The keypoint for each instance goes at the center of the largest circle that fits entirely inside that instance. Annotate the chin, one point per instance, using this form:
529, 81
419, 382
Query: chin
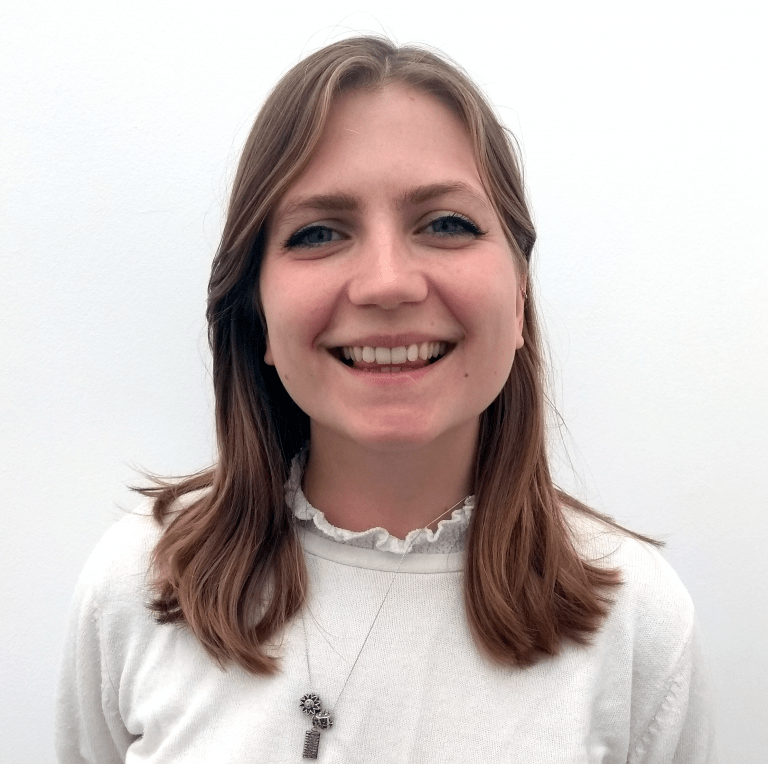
390, 437
393, 441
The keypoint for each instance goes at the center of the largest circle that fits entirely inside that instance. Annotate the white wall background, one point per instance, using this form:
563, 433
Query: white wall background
644, 130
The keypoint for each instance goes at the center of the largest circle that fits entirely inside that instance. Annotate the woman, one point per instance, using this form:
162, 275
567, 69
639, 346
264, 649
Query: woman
378, 567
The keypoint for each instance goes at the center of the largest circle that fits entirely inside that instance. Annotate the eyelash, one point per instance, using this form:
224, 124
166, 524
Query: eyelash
454, 217
296, 239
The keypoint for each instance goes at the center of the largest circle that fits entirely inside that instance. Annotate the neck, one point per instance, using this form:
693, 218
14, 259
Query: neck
398, 489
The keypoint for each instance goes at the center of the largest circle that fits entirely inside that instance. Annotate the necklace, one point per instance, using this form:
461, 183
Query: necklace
310, 703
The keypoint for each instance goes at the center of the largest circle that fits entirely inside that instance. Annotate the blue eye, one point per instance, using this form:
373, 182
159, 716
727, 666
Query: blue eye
453, 225
312, 236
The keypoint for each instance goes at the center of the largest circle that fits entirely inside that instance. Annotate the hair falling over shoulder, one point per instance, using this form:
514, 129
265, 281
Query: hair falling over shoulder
229, 565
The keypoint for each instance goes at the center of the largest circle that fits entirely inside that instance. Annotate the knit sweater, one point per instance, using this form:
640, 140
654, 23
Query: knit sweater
134, 691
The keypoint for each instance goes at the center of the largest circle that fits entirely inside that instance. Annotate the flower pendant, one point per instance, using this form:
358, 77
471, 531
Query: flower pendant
310, 704
321, 720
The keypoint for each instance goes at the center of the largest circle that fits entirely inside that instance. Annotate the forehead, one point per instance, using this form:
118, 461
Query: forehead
385, 142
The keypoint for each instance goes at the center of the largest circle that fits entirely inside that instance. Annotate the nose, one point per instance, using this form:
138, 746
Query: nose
387, 274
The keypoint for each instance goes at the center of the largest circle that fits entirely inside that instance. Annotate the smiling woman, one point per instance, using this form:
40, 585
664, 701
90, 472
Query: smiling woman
387, 243
382, 470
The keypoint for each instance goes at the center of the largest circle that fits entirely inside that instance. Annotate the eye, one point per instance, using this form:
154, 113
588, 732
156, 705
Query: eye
453, 225
312, 236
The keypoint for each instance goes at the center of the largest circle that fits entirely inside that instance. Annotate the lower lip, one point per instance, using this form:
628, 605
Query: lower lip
393, 378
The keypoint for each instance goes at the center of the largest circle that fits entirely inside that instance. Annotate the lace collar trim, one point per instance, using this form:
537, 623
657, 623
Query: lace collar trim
449, 536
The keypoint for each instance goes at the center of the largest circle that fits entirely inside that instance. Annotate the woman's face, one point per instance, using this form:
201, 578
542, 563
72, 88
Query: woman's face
386, 243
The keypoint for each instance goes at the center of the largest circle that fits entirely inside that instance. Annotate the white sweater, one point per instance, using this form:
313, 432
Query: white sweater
134, 691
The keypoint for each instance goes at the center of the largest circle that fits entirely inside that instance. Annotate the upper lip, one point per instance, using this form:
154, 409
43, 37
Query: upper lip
394, 340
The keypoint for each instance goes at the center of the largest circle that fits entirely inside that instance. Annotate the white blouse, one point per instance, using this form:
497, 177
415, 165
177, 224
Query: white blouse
449, 536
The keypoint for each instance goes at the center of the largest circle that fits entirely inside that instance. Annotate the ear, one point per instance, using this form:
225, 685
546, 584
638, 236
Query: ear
268, 358
522, 291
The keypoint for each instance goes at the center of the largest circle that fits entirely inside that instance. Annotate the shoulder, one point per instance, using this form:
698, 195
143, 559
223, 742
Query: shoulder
119, 565
652, 601
652, 634
108, 611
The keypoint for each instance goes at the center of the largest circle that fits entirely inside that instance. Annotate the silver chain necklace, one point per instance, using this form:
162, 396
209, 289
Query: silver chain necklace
310, 703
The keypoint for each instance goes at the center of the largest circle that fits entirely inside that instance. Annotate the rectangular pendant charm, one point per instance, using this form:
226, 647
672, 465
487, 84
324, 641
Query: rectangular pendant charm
311, 744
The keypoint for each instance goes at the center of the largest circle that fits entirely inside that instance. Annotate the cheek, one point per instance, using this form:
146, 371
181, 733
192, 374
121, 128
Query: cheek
296, 309
500, 336
273, 303
486, 302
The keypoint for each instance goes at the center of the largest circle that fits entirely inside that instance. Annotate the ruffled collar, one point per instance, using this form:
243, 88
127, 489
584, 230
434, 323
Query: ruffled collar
449, 536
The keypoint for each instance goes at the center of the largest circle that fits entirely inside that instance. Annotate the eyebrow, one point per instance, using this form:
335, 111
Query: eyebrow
341, 202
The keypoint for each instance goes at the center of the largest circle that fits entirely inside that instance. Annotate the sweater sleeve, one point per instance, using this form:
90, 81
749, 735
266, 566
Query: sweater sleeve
682, 729
89, 727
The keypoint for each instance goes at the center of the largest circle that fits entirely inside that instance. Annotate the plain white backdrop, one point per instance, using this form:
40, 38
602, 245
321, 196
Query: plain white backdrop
643, 131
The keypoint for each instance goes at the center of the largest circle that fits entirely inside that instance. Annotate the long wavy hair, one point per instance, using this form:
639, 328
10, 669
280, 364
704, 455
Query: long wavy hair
229, 564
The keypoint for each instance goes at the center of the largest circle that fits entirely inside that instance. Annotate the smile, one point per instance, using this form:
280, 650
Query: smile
392, 360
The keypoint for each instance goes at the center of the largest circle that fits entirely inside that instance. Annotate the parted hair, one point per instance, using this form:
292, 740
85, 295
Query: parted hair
229, 564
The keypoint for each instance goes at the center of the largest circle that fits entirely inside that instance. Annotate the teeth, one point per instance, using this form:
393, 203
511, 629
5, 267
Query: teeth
395, 356
399, 355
